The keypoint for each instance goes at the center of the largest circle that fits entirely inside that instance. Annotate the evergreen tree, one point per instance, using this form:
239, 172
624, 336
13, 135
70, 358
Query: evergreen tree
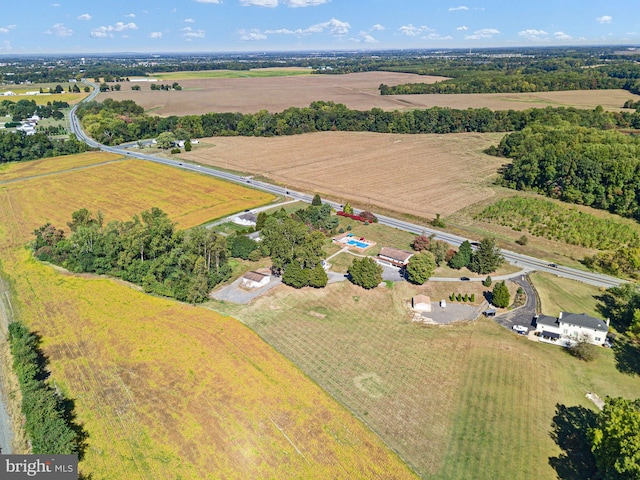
295, 276
486, 258
318, 277
500, 296
317, 201
462, 258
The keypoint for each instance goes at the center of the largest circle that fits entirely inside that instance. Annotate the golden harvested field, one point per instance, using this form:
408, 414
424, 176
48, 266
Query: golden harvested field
416, 174
163, 389
248, 95
121, 189
358, 91
22, 170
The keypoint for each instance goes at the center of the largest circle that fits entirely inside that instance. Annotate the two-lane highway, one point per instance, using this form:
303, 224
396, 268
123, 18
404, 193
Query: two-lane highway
522, 261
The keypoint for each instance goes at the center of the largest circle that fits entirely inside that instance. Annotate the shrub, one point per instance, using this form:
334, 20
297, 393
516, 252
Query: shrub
500, 295
459, 297
473, 298
438, 222
465, 297
584, 350
175, 150
341, 230
348, 228
421, 242
522, 240
487, 281
452, 296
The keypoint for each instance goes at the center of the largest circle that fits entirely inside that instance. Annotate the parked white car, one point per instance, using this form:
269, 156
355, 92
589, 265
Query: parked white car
522, 330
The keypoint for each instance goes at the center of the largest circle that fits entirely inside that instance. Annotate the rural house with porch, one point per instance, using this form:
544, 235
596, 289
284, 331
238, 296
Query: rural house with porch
393, 257
570, 328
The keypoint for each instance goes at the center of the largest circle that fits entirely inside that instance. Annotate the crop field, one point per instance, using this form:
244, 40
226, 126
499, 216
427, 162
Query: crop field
253, 73
273, 93
416, 174
358, 91
189, 199
464, 401
163, 389
46, 166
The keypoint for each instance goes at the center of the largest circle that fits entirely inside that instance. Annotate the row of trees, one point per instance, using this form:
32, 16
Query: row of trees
516, 82
589, 166
25, 108
18, 147
48, 417
485, 259
146, 250
107, 123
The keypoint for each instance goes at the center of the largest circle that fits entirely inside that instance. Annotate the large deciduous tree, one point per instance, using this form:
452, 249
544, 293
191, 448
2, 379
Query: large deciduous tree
615, 440
420, 267
365, 272
462, 257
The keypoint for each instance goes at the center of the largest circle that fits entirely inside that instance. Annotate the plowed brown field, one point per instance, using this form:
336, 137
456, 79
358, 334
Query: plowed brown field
417, 174
358, 91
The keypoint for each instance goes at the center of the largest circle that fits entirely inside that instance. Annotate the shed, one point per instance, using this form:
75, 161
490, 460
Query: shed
255, 279
421, 303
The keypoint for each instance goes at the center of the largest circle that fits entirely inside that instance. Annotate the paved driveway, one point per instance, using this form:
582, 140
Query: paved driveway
522, 315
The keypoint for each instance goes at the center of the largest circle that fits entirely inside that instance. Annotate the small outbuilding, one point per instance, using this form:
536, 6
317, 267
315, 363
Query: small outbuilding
421, 303
246, 219
255, 279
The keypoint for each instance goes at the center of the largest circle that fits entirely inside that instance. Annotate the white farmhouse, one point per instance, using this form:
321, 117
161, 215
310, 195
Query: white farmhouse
246, 219
569, 328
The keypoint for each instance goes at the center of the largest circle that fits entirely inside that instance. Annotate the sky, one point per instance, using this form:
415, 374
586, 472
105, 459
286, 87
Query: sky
156, 26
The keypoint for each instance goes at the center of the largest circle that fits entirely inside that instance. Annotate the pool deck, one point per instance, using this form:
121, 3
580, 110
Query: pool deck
343, 238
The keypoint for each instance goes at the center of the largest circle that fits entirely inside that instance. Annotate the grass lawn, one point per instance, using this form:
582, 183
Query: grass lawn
456, 402
563, 295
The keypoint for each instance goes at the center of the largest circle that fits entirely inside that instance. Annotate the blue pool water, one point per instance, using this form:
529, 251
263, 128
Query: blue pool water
356, 243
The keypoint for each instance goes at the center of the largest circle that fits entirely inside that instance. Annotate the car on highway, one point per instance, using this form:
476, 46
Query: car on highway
464, 279
552, 265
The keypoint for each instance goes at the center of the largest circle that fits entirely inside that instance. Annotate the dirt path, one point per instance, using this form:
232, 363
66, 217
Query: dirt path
6, 433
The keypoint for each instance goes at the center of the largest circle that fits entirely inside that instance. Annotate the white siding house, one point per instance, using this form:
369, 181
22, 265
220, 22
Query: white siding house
255, 279
569, 328
246, 219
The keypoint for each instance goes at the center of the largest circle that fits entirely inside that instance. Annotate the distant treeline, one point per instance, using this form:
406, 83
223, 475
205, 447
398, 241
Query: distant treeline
18, 147
23, 109
499, 82
113, 122
581, 165
146, 250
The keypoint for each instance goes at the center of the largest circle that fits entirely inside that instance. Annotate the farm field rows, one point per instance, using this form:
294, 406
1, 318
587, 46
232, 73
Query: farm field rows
163, 389
358, 91
417, 174
121, 190
253, 73
465, 401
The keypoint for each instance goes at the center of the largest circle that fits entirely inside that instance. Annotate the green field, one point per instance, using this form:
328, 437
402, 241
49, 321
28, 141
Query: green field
256, 73
563, 295
468, 401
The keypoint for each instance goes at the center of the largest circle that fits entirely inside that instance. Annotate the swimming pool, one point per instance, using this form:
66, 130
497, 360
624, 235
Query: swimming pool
356, 243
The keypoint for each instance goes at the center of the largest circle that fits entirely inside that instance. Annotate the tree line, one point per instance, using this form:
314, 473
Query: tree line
147, 250
113, 122
18, 147
589, 166
498, 82
26, 108
48, 415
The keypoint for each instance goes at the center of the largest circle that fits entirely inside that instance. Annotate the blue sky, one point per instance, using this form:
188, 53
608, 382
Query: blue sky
70, 26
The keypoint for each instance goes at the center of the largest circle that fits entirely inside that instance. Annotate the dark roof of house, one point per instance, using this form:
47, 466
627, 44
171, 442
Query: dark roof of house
550, 334
547, 320
249, 217
584, 320
396, 254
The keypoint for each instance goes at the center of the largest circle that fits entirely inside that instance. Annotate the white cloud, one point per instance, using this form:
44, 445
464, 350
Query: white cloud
303, 3
191, 33
106, 31
284, 31
364, 37
335, 26
413, 31
463, 28
55, 5
532, 34
155, 35
130, 15
84, 16
562, 36
483, 33
436, 36
456, 9
251, 35
7, 28
189, 20
604, 19
259, 3
209, 1
377, 28
59, 30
